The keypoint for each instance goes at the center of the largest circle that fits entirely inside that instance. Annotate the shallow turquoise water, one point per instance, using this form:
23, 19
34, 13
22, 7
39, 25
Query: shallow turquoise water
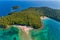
40, 34
9, 34
51, 31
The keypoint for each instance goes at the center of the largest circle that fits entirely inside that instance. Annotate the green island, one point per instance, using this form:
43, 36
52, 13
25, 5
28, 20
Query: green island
29, 17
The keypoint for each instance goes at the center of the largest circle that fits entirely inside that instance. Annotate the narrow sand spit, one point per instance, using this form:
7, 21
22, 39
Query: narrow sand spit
25, 29
25, 32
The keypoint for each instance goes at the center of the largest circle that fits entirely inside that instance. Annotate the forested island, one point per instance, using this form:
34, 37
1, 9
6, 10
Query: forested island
30, 16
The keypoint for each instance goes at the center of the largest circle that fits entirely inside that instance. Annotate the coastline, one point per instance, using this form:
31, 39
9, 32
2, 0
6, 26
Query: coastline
26, 29
42, 18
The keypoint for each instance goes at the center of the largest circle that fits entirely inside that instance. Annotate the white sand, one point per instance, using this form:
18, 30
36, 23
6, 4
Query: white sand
43, 17
25, 29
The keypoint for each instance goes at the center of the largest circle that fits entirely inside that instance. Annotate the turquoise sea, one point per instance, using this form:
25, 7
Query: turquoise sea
51, 31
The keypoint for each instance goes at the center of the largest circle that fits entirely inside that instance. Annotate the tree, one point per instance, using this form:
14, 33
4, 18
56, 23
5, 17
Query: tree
15, 7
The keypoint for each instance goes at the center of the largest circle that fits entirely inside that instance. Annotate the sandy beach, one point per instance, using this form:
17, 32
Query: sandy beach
26, 29
43, 17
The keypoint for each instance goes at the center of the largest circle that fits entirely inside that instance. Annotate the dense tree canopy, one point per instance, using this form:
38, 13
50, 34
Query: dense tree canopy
49, 12
30, 16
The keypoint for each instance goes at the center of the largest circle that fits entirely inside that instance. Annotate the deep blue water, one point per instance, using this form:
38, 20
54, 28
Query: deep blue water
53, 29
5, 6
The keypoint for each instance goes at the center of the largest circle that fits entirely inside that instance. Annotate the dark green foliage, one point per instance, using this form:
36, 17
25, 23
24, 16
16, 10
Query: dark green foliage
49, 12
30, 16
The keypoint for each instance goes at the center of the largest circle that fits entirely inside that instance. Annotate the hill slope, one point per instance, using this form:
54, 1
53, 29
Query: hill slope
46, 11
30, 16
